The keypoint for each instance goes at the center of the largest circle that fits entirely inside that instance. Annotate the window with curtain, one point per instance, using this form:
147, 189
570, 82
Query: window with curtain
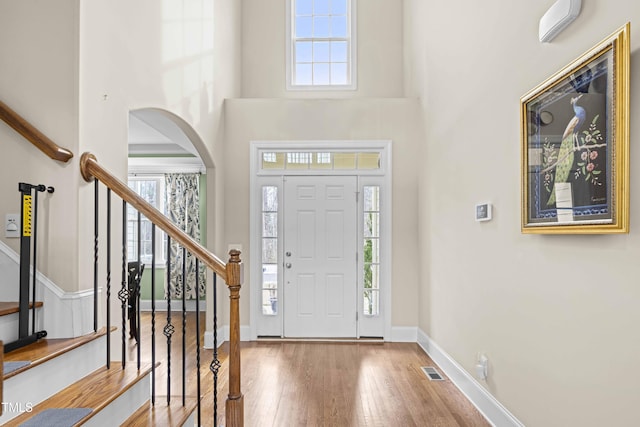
183, 209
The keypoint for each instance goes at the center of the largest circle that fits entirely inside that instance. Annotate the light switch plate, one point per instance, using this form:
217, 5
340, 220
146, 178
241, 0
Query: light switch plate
12, 226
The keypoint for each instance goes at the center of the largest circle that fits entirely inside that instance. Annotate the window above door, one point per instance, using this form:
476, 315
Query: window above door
321, 45
326, 158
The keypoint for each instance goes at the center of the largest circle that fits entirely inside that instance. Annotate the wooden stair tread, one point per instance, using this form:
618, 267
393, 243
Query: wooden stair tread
162, 414
94, 391
47, 349
10, 307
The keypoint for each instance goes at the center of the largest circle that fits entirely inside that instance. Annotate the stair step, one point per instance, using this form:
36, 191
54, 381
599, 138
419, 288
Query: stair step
10, 307
46, 349
47, 363
172, 415
10, 320
96, 391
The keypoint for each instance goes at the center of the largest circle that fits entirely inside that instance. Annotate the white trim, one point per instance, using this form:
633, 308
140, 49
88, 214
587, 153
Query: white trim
257, 176
487, 404
64, 314
162, 165
208, 338
223, 335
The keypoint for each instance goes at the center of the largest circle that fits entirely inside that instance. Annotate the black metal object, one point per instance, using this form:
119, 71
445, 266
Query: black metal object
123, 294
198, 337
153, 314
135, 270
184, 325
215, 363
96, 222
168, 329
108, 280
28, 229
127, 295
136, 296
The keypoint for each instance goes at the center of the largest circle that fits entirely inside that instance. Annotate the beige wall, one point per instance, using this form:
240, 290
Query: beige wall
38, 79
76, 70
374, 111
556, 315
305, 120
150, 54
379, 51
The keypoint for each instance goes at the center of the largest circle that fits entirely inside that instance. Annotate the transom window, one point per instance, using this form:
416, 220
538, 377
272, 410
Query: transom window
321, 48
337, 160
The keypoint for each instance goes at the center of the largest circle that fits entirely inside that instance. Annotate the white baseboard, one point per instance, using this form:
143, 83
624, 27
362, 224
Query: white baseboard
488, 405
64, 314
223, 335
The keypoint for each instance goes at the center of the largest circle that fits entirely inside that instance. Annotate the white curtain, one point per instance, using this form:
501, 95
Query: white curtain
183, 208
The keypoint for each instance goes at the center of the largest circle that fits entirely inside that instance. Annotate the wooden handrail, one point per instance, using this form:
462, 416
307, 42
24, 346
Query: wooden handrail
90, 169
230, 272
33, 135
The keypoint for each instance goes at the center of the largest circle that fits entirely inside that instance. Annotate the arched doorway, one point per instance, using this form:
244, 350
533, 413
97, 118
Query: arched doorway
163, 146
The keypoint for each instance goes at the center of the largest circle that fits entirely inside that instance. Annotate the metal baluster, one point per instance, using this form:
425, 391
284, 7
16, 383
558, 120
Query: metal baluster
95, 257
198, 337
136, 294
153, 314
108, 278
169, 329
184, 325
215, 363
123, 294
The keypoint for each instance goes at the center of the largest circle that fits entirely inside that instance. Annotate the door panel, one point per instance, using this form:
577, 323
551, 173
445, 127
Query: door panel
320, 275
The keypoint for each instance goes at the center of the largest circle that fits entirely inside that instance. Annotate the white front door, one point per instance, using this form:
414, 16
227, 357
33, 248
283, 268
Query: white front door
320, 265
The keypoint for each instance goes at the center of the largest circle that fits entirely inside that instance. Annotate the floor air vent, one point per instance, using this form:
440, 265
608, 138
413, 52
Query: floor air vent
432, 373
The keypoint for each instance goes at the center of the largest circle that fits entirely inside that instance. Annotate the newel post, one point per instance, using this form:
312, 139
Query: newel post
235, 400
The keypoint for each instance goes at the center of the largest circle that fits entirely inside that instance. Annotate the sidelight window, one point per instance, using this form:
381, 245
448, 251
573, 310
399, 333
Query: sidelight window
371, 250
270, 250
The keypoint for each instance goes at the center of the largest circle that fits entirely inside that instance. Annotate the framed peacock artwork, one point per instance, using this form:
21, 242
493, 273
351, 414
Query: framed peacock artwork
575, 145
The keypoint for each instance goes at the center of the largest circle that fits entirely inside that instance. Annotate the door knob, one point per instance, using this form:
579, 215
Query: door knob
288, 265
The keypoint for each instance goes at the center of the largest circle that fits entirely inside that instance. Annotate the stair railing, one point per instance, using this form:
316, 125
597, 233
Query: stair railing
230, 272
55, 152
33, 135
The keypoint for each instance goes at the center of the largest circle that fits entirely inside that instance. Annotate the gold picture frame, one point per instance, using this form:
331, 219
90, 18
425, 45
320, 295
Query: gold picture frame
575, 145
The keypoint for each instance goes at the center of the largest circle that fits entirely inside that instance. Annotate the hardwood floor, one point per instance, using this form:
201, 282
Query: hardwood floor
319, 384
